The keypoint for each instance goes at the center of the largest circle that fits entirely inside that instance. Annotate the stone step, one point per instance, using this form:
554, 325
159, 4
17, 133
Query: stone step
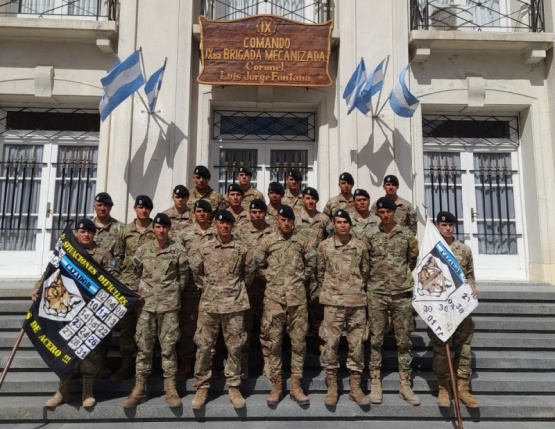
495, 407
507, 323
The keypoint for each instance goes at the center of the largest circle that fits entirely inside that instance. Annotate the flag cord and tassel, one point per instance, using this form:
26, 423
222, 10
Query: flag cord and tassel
453, 385
11, 357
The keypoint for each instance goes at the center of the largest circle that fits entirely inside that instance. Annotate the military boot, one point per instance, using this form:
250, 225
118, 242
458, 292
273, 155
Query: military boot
405, 391
296, 391
185, 370
126, 371
277, 389
138, 394
443, 392
376, 394
464, 394
63, 394
236, 398
172, 398
332, 396
87, 397
355, 392
200, 398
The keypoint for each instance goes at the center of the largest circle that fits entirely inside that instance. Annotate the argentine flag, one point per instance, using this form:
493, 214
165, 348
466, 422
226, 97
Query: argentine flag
354, 86
104, 99
120, 82
153, 85
401, 100
372, 85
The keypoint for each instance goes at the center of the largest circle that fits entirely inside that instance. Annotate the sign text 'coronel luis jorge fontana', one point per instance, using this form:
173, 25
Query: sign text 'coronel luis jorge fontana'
265, 50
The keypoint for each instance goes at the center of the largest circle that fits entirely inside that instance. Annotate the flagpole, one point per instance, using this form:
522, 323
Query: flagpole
453, 385
11, 357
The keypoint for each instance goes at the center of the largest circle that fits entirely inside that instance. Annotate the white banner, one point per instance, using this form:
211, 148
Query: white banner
442, 296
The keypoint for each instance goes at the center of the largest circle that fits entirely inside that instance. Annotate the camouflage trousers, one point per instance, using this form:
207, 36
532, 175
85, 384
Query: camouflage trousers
188, 315
89, 366
354, 319
462, 337
128, 326
254, 314
208, 328
275, 318
165, 327
402, 319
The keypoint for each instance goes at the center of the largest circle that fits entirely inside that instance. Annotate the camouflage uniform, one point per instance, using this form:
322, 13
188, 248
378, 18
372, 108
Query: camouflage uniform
241, 218
295, 202
392, 258
339, 202
162, 274
214, 198
219, 270
107, 235
361, 226
288, 263
405, 214
271, 216
342, 275
251, 194
462, 337
179, 221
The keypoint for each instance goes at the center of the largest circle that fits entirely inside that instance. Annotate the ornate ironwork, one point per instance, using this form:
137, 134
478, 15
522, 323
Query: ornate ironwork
98, 9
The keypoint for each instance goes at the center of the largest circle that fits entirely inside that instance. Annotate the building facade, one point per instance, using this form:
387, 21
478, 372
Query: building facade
480, 143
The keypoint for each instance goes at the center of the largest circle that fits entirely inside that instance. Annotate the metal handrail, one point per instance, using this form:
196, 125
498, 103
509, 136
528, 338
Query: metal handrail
98, 9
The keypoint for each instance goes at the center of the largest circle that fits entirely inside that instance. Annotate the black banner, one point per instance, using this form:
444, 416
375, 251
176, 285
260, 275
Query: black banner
79, 303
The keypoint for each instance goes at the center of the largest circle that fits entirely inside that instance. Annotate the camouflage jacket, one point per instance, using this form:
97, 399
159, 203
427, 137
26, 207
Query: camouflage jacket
271, 216
342, 272
319, 225
464, 255
251, 194
295, 202
179, 221
287, 264
250, 236
360, 225
190, 238
220, 271
392, 259
215, 199
162, 274
127, 243
107, 235
241, 219
405, 214
339, 202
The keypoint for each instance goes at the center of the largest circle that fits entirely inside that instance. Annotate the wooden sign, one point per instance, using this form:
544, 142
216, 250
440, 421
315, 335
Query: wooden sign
265, 50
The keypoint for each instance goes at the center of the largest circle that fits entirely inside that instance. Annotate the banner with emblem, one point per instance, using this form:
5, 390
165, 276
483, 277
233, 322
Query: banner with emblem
442, 295
78, 305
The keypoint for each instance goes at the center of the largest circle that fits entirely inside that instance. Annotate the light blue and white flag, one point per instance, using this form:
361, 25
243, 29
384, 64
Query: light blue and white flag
153, 85
121, 82
372, 85
104, 99
354, 86
401, 100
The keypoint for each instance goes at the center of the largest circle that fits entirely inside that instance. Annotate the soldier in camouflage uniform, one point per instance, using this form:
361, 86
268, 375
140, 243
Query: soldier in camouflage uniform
179, 213
363, 219
251, 234
220, 272
405, 214
462, 337
131, 237
342, 273
190, 238
393, 251
234, 199
288, 259
85, 230
293, 196
276, 191
244, 177
345, 198
162, 267
107, 231
201, 177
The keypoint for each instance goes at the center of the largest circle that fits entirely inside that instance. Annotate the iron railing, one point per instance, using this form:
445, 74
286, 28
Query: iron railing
79, 9
307, 11
478, 15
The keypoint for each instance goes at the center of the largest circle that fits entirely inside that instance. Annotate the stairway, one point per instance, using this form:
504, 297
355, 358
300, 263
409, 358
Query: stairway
513, 361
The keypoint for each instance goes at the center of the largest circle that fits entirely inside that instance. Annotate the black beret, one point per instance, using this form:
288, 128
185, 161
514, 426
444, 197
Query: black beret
295, 174
311, 191
386, 203
143, 200
163, 219
258, 204
276, 187
202, 171
286, 212
86, 224
446, 217
245, 169
234, 187
224, 216
361, 193
343, 214
390, 178
181, 191
347, 178
104, 198
203, 204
